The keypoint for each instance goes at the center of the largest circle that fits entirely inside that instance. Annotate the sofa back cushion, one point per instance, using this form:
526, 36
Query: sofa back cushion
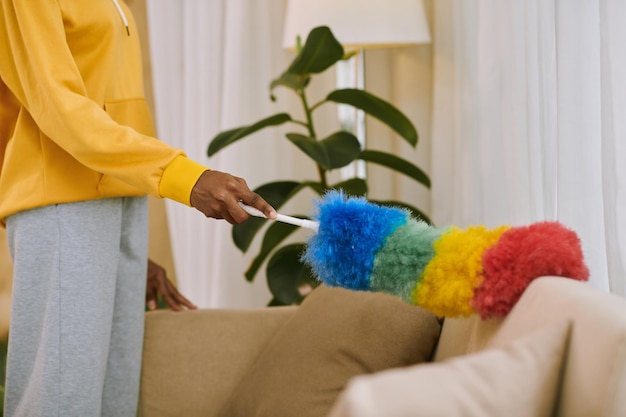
335, 335
594, 376
192, 360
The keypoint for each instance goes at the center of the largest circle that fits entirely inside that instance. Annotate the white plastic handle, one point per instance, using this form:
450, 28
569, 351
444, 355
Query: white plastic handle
309, 224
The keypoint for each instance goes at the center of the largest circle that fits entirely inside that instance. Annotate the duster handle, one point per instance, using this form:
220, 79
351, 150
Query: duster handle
309, 224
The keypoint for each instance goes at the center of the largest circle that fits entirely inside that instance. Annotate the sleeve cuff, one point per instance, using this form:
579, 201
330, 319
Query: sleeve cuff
179, 178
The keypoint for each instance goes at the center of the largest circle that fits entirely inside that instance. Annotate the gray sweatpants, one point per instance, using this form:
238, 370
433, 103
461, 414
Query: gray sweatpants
76, 330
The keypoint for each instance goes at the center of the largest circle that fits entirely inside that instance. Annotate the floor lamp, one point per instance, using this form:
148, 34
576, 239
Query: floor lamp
358, 25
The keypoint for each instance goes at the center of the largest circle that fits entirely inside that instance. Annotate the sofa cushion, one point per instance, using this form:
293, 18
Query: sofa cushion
520, 379
335, 335
192, 360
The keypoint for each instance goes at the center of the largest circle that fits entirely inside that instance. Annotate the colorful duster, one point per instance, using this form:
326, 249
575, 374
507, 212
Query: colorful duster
449, 271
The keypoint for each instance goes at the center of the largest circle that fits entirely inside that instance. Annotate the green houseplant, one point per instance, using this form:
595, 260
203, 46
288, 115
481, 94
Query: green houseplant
286, 275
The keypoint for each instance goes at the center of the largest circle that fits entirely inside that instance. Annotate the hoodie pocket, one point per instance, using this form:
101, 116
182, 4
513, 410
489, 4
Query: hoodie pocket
133, 113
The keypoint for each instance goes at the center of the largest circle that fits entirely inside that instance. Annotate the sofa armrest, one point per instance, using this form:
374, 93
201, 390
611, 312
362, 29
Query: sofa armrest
192, 360
594, 376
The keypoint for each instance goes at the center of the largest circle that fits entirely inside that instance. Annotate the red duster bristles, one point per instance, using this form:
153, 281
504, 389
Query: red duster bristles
521, 255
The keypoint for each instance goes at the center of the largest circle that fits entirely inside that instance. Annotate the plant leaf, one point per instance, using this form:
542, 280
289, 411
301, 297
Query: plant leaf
353, 186
286, 273
315, 186
275, 303
320, 51
228, 137
275, 234
335, 151
293, 81
277, 193
378, 108
397, 164
243, 233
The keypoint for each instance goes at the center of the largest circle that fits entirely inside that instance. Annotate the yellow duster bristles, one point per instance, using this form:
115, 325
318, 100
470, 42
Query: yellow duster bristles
449, 279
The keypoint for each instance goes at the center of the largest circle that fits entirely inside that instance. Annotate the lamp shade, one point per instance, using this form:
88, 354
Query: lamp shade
359, 24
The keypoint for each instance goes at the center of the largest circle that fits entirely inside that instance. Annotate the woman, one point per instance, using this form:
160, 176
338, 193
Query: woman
77, 157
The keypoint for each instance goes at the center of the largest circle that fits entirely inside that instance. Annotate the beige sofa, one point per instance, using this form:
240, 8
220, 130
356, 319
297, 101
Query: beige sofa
561, 351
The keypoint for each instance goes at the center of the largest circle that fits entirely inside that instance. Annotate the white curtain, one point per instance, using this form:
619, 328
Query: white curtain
212, 61
518, 110
529, 120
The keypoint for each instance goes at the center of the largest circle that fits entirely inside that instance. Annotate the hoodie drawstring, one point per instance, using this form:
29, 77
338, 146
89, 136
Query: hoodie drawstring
122, 15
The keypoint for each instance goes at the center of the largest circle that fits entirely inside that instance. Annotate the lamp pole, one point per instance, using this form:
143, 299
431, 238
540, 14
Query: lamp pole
351, 74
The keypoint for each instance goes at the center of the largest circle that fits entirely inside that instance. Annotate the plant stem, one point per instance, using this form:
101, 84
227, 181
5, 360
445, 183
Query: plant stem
309, 118
298, 122
316, 105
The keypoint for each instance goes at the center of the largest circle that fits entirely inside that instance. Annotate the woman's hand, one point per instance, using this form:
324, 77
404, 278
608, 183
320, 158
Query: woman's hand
159, 284
217, 195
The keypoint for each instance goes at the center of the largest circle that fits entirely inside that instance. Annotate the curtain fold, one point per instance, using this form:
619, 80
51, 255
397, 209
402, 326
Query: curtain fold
526, 127
613, 122
207, 68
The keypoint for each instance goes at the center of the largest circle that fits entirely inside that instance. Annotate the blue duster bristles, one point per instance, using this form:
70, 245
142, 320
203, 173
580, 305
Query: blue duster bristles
351, 233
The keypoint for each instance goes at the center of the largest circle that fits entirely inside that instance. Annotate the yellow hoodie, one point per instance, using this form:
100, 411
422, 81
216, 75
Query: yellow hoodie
74, 124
